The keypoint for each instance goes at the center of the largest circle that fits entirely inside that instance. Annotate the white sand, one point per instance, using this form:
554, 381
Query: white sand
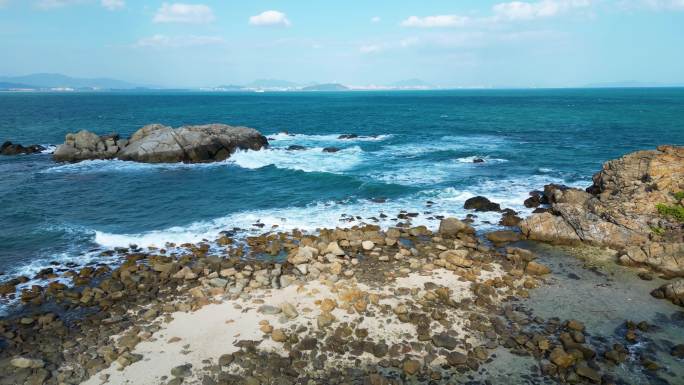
213, 330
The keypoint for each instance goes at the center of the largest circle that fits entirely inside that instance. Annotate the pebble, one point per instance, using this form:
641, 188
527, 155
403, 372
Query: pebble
411, 367
25, 363
278, 335
289, 310
268, 309
182, 371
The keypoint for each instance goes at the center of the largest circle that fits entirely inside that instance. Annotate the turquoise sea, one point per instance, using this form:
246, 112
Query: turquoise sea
413, 148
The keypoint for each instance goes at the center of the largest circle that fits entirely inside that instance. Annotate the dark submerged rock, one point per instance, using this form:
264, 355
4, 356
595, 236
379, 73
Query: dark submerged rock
480, 203
9, 148
296, 147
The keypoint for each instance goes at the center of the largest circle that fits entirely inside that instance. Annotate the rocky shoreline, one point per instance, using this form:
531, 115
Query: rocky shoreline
407, 304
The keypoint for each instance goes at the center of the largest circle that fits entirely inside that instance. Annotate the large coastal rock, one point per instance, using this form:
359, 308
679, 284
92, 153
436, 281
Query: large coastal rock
156, 143
620, 210
85, 145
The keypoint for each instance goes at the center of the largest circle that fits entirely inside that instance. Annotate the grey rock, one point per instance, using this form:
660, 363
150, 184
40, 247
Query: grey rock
156, 143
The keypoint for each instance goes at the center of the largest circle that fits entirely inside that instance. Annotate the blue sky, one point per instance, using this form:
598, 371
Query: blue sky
543, 43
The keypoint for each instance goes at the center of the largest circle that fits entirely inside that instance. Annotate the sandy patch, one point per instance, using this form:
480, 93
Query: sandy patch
214, 329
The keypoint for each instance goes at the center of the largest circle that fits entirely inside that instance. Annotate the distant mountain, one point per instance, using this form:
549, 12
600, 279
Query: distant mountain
271, 83
326, 87
45, 80
6, 86
632, 84
229, 87
411, 83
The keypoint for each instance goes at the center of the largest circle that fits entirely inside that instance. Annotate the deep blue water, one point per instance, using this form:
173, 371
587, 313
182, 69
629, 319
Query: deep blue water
424, 150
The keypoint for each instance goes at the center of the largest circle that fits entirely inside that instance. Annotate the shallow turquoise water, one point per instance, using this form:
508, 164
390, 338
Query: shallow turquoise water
419, 146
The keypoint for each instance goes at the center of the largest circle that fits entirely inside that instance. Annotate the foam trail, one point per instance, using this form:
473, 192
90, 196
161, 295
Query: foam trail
115, 165
287, 137
446, 202
308, 160
484, 143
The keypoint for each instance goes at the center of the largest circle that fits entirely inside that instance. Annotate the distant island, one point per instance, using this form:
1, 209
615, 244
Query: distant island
53, 82
326, 87
59, 82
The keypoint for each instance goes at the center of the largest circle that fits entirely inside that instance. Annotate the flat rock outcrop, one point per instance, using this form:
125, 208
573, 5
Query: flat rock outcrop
156, 143
623, 210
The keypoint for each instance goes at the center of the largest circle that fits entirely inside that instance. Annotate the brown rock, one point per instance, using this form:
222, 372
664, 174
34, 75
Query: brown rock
411, 367
535, 268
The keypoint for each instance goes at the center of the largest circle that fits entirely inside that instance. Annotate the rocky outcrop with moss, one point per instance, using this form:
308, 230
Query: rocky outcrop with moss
632, 206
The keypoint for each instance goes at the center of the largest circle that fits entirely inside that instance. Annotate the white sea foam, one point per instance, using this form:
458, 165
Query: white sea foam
426, 173
304, 138
308, 160
115, 165
482, 143
49, 149
312, 159
486, 159
446, 202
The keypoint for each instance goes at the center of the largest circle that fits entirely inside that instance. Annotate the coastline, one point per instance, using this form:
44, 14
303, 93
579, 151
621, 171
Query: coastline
436, 310
402, 303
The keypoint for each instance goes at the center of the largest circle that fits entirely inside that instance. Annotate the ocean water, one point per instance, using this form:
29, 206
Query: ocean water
414, 147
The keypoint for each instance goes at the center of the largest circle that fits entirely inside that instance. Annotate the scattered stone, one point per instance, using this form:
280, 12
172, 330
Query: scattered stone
535, 268
182, 371
27, 363
411, 367
503, 236
289, 310
278, 335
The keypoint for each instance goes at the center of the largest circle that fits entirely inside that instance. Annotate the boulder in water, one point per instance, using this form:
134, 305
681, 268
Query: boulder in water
156, 143
296, 147
9, 148
331, 149
480, 203
85, 145
348, 136
673, 291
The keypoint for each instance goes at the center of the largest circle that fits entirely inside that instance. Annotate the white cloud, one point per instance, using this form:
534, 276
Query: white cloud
52, 4
163, 41
184, 13
370, 48
113, 5
438, 21
656, 5
520, 10
504, 12
375, 19
270, 18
